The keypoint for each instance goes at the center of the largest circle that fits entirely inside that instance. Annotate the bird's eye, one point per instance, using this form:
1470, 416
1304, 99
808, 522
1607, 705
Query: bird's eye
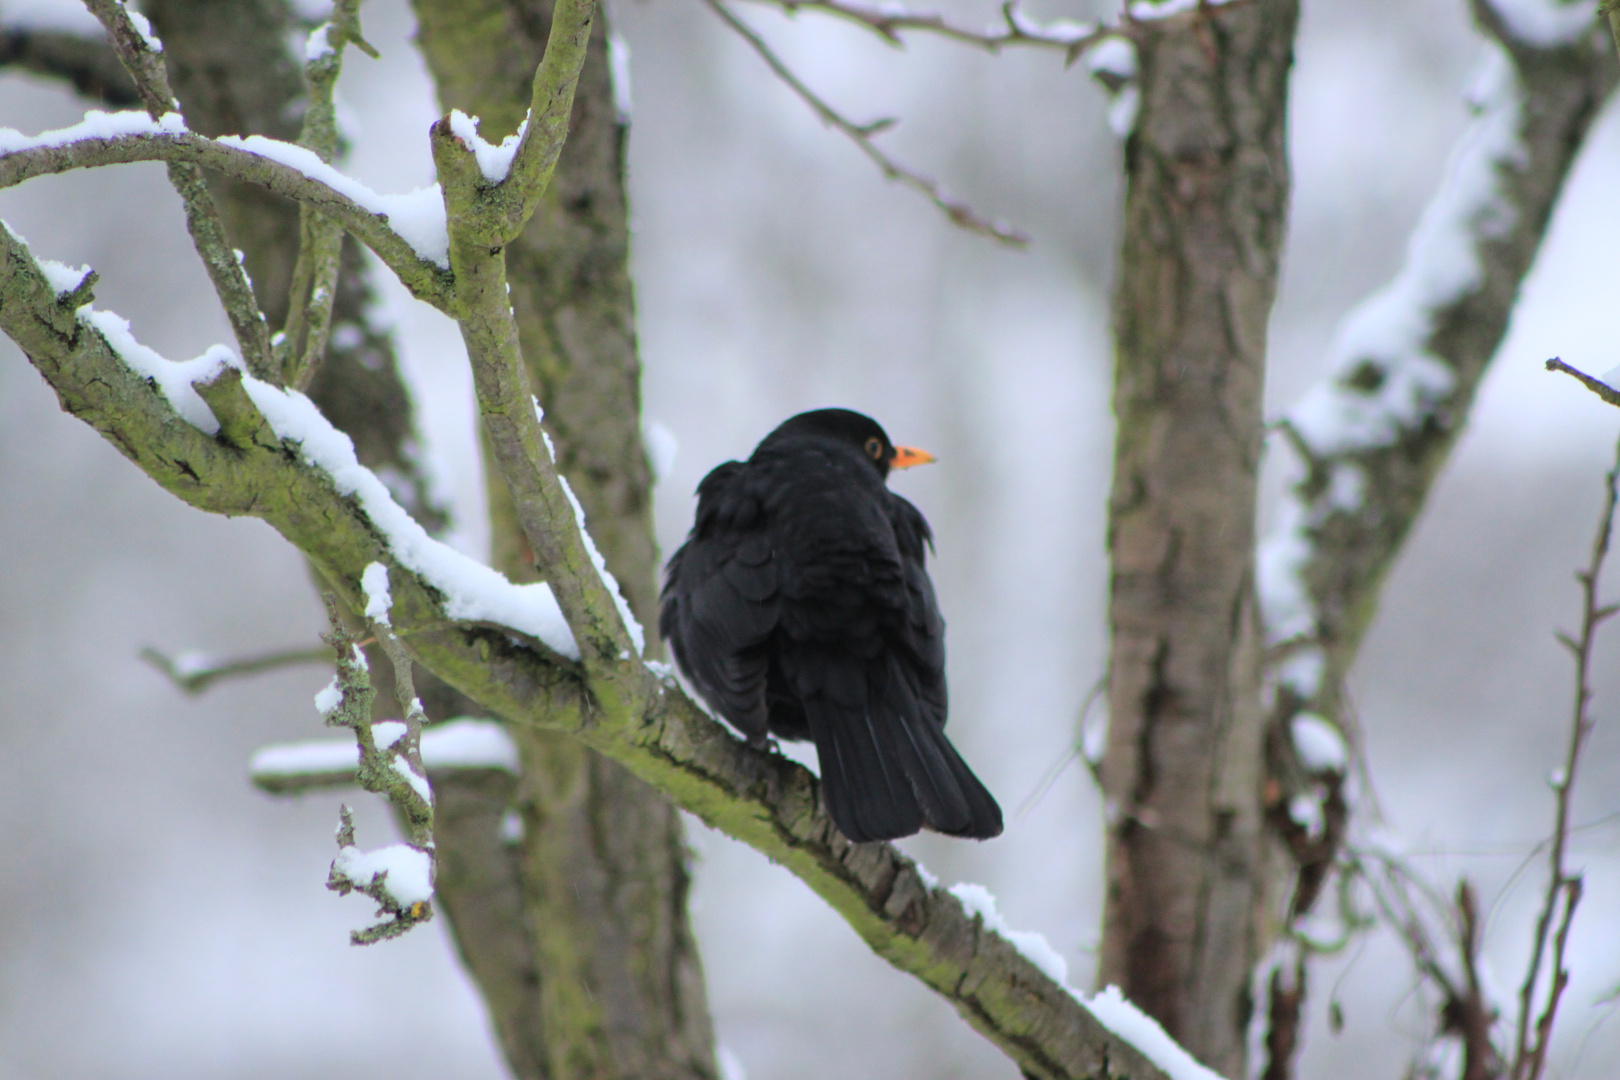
874, 447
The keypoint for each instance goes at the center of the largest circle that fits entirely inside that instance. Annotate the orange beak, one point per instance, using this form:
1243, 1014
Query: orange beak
907, 456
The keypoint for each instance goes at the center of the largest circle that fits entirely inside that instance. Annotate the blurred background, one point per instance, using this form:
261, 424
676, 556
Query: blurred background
164, 918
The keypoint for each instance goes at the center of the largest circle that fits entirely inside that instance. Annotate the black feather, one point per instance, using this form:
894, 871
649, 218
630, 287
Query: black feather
800, 605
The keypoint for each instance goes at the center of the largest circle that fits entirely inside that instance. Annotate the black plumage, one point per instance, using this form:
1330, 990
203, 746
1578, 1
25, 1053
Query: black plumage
800, 606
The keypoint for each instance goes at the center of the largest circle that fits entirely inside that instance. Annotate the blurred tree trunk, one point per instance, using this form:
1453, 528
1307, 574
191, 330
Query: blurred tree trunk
1206, 198
578, 938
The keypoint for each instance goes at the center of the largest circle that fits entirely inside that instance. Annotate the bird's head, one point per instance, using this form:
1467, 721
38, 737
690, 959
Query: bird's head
855, 430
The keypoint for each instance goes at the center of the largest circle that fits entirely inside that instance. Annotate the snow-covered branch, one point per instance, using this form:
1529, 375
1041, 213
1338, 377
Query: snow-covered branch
407, 232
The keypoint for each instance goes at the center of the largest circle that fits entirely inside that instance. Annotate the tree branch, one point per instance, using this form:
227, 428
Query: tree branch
890, 22
280, 167
293, 473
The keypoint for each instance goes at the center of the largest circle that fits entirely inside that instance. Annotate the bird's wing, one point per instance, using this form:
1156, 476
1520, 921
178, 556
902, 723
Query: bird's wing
720, 600
863, 646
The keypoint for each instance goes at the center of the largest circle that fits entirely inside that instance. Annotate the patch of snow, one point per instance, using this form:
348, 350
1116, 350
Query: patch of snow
730, 1068
410, 872
1032, 946
1547, 23
494, 161
95, 125
319, 45
1305, 810
1318, 743
1114, 56
375, 584
173, 378
928, 879
1285, 604
417, 216
469, 744
662, 447
1163, 9
1066, 31
191, 662
316, 757
1143, 1032
385, 733
1301, 672
143, 27
63, 278
638, 636
619, 68
1122, 113
418, 782
329, 698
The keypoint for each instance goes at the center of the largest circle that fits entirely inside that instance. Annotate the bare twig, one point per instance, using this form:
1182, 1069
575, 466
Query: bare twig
1602, 389
959, 212
194, 674
889, 23
1563, 887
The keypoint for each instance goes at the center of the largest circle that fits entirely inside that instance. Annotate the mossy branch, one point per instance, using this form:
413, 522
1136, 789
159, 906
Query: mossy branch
763, 799
425, 280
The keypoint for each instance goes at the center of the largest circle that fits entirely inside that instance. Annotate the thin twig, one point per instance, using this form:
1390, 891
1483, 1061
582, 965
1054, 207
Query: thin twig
959, 212
1564, 888
1602, 389
194, 675
889, 23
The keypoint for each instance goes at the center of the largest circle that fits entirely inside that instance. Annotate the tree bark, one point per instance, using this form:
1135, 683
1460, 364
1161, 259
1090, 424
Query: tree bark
1205, 205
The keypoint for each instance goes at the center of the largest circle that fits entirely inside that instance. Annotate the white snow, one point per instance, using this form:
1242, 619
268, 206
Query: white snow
191, 662
1032, 946
1318, 743
494, 161
1383, 339
329, 698
619, 68
410, 872
458, 744
1115, 56
385, 733
1143, 1032
1305, 809
63, 278
1063, 30
378, 602
928, 878
1546, 23
1122, 112
313, 758
95, 125
1279, 561
173, 378
469, 744
1301, 672
1159, 9
662, 447
730, 1068
417, 216
638, 636
143, 27
418, 782
319, 44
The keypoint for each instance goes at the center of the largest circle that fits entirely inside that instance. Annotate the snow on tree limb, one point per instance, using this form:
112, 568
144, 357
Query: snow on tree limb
406, 231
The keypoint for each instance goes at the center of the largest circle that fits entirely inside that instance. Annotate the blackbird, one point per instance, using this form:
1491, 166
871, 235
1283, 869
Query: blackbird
799, 606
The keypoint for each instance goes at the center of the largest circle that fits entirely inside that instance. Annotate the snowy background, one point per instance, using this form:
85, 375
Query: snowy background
163, 918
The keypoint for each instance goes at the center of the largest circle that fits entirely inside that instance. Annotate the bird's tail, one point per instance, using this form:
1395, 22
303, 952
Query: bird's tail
887, 768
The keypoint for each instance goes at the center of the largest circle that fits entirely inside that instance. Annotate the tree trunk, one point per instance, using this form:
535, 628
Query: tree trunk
1207, 191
